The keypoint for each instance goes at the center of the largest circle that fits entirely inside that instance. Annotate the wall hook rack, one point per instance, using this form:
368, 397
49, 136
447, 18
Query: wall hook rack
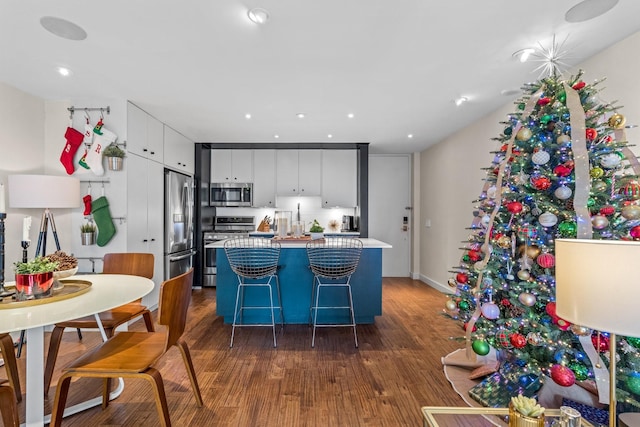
73, 109
96, 181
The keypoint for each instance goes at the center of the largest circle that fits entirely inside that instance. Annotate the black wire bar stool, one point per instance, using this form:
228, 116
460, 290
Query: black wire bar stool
255, 262
332, 262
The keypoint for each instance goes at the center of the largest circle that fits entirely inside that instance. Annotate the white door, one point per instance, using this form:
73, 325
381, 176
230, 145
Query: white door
389, 197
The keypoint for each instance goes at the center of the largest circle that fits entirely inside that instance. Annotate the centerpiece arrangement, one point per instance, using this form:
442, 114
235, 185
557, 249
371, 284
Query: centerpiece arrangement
34, 279
525, 412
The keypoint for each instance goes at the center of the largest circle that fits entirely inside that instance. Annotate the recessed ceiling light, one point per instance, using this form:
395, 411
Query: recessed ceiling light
300, 115
461, 100
63, 71
410, 136
276, 136
329, 136
589, 9
258, 15
523, 54
350, 115
247, 116
63, 28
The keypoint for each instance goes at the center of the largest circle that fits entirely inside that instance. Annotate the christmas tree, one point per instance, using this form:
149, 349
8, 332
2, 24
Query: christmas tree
563, 169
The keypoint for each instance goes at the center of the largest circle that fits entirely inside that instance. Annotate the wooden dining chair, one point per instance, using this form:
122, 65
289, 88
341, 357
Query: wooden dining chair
11, 364
8, 407
135, 264
133, 354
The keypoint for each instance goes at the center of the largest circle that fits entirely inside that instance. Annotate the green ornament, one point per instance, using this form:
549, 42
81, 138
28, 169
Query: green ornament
508, 131
521, 106
545, 119
481, 347
562, 96
581, 371
591, 202
633, 341
633, 382
463, 305
567, 229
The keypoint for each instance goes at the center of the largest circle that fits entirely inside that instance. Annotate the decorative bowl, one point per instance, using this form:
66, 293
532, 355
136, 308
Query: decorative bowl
316, 236
37, 285
57, 275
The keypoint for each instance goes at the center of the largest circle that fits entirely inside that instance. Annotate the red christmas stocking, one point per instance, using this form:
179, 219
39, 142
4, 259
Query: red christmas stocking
87, 204
74, 139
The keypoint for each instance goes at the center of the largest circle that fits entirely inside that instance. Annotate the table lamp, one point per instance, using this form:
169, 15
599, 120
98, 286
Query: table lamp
44, 192
594, 289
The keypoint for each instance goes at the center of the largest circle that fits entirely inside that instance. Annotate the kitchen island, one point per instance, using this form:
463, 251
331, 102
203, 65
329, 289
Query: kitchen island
295, 285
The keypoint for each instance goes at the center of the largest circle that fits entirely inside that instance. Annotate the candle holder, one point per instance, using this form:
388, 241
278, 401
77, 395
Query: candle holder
3, 291
25, 246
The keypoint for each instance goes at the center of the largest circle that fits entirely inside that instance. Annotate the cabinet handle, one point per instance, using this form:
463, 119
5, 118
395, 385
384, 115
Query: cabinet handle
153, 152
144, 240
153, 240
144, 150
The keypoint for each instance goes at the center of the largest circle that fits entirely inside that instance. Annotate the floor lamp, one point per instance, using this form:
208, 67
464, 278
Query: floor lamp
594, 289
44, 192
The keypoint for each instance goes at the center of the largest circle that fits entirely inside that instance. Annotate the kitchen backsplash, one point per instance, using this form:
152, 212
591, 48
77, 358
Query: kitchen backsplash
310, 209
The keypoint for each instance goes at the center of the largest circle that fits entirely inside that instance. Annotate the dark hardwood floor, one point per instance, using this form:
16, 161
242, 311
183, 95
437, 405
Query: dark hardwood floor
384, 382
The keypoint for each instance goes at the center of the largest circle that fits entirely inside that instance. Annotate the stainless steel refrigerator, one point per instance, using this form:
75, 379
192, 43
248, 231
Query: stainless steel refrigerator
179, 246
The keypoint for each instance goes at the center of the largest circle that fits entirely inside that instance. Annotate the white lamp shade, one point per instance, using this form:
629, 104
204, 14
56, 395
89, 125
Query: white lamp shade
596, 285
43, 191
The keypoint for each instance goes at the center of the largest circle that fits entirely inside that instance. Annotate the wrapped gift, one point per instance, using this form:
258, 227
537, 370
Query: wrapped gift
496, 390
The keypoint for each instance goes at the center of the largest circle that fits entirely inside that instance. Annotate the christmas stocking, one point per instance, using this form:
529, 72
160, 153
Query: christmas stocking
94, 156
87, 204
103, 220
74, 139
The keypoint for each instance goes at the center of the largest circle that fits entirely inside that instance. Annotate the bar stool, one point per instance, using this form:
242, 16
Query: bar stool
254, 260
332, 263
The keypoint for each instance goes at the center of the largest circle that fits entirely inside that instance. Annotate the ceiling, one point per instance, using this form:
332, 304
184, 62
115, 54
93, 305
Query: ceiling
397, 65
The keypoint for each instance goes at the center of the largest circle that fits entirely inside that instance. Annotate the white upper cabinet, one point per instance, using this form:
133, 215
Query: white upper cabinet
298, 172
264, 178
231, 165
178, 151
339, 178
145, 134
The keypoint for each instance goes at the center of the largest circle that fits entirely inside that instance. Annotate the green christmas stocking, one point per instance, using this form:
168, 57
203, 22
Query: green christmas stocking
102, 218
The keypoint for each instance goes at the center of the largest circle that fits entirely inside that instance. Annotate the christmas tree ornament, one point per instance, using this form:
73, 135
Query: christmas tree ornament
534, 338
563, 139
524, 134
635, 232
610, 161
504, 242
562, 171
579, 85
540, 157
451, 305
580, 371
462, 278
607, 210
523, 275
596, 172
544, 100
598, 185
599, 222
631, 190
103, 220
531, 251
563, 192
562, 375
617, 121
502, 338
580, 331
490, 310
465, 326
591, 133
567, 228
474, 256
541, 183
518, 340
633, 382
546, 260
633, 341
547, 219
74, 139
464, 305
527, 299
550, 309
600, 342
514, 207
480, 347
631, 212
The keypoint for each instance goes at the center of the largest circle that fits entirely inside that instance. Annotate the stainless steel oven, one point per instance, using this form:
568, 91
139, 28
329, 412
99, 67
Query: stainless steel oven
225, 227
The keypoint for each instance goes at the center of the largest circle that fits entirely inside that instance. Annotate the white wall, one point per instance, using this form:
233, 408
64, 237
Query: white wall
451, 175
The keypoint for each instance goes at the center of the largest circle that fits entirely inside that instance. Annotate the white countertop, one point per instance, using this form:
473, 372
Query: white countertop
366, 242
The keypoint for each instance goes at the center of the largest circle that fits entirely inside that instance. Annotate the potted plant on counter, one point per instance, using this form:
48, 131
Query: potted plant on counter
34, 279
316, 231
114, 155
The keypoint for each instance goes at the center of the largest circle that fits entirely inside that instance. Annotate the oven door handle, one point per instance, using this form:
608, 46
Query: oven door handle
181, 257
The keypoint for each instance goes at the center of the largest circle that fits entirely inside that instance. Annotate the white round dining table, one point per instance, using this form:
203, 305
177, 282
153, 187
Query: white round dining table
106, 292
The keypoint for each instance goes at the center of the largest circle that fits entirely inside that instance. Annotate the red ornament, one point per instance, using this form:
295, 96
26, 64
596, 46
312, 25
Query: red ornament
579, 85
544, 100
632, 190
601, 346
474, 256
561, 323
466, 325
562, 170
541, 183
591, 133
607, 210
514, 207
518, 340
546, 260
462, 278
551, 309
563, 376
505, 302
635, 232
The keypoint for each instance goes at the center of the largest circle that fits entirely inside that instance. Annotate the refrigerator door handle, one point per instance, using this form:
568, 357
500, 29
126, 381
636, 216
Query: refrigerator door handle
178, 258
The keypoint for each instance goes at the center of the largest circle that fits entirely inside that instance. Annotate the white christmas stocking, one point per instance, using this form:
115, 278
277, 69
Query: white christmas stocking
94, 156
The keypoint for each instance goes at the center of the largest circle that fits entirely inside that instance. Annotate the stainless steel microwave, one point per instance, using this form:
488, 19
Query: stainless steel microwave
233, 194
